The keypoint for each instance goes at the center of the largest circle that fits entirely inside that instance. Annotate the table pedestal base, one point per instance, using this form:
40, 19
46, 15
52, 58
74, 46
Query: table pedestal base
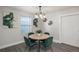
38, 46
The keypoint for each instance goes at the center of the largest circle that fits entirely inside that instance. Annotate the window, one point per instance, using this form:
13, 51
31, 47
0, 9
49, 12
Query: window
26, 24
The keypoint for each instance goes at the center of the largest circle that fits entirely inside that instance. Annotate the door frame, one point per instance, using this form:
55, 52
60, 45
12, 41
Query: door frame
60, 24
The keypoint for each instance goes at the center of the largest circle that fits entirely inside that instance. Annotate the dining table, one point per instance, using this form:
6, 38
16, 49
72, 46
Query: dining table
39, 37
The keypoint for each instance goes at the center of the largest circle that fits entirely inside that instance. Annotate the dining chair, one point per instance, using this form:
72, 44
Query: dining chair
47, 33
29, 43
48, 42
30, 33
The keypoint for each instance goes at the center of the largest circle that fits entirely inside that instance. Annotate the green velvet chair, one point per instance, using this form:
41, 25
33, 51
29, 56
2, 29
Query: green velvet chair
48, 42
30, 33
47, 33
29, 43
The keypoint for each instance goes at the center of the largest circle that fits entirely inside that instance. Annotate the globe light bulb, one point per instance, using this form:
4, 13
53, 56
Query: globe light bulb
36, 16
44, 16
41, 16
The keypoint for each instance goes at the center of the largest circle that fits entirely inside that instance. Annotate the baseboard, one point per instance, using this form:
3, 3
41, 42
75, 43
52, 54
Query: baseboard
56, 41
5, 46
75, 45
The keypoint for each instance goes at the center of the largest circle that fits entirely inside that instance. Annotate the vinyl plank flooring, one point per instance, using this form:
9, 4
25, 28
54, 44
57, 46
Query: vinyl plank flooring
56, 47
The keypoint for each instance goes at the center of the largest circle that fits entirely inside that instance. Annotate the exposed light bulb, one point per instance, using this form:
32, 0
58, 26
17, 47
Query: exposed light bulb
44, 16
41, 16
36, 16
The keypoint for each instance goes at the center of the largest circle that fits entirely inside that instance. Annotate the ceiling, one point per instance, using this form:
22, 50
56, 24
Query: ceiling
45, 9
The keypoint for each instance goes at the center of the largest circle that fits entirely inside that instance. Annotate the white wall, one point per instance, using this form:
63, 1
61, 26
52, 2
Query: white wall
11, 36
39, 27
55, 17
54, 28
70, 29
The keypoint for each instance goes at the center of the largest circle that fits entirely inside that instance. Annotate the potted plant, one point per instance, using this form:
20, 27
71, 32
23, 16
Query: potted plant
38, 31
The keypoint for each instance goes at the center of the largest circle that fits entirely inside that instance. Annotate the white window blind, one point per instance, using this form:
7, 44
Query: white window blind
26, 24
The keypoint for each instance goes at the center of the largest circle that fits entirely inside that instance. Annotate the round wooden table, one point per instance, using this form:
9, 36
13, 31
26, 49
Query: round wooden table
39, 37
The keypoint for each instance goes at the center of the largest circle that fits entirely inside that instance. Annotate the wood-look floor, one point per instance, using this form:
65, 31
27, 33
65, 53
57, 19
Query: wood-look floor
56, 47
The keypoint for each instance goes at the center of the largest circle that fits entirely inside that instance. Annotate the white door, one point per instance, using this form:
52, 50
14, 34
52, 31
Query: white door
70, 29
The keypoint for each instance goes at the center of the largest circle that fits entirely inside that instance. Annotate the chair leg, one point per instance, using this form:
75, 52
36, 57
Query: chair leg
51, 48
45, 48
29, 49
25, 49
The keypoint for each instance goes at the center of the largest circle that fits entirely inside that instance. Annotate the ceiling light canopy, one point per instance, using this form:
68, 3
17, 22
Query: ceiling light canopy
40, 15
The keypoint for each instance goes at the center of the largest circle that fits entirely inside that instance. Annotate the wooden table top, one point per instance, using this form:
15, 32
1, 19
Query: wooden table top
39, 36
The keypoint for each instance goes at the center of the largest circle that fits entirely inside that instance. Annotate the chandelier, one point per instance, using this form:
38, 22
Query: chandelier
40, 15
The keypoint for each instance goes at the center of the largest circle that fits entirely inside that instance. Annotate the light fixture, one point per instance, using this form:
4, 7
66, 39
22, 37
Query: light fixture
40, 15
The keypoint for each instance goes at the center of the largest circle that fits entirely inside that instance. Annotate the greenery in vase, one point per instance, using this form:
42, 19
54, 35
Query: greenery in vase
8, 20
38, 31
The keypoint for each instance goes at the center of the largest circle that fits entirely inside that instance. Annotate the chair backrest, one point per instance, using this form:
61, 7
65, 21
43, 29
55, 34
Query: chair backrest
47, 33
30, 33
27, 42
49, 41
